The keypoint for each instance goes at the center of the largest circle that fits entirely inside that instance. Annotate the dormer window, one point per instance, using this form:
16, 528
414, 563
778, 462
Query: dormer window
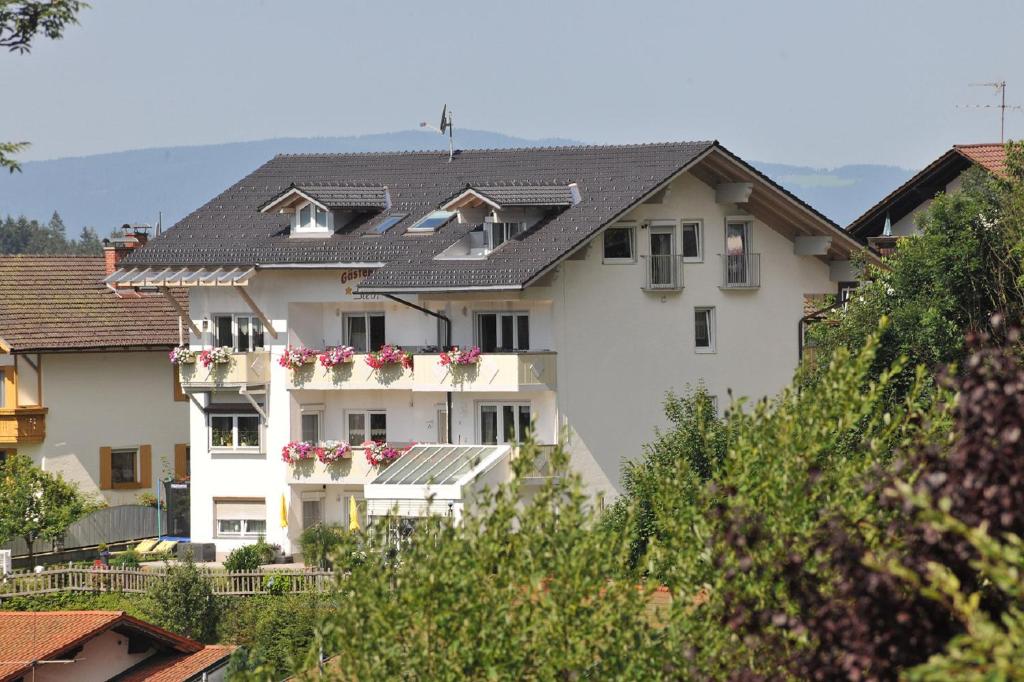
497, 234
312, 219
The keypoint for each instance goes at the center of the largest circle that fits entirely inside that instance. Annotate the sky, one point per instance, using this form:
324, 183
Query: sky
811, 82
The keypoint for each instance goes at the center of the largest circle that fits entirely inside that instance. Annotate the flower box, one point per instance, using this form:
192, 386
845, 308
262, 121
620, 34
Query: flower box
337, 355
457, 357
379, 453
216, 356
182, 355
295, 357
333, 451
389, 355
329, 452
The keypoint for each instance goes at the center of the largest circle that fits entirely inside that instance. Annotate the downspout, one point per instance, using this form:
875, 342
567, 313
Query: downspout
447, 345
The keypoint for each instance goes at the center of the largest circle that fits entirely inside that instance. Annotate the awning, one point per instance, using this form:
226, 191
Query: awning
442, 473
179, 277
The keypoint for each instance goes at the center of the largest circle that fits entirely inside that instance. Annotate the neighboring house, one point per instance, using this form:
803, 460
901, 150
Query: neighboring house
87, 646
87, 392
593, 279
896, 215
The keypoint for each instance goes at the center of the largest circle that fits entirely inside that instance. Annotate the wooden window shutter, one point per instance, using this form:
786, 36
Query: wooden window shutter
105, 477
180, 461
145, 466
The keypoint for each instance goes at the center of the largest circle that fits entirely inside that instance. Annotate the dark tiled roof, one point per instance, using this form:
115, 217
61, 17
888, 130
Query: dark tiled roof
229, 230
347, 196
58, 303
527, 195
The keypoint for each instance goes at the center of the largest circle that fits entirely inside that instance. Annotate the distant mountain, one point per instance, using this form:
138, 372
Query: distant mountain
106, 190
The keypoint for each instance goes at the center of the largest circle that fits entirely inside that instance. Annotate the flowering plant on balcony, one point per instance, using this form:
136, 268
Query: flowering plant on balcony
389, 355
337, 355
298, 451
379, 453
215, 356
333, 451
295, 357
460, 357
182, 355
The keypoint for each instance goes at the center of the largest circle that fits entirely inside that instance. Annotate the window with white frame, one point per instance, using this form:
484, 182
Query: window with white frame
496, 233
619, 244
235, 432
431, 221
312, 419
363, 331
312, 508
241, 518
704, 330
503, 331
693, 241
312, 219
124, 465
366, 425
504, 422
244, 333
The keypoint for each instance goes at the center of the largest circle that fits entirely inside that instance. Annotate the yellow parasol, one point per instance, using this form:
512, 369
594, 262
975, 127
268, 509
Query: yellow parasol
353, 513
284, 513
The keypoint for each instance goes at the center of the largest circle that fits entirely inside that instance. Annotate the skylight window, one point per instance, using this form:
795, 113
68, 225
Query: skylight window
431, 221
386, 224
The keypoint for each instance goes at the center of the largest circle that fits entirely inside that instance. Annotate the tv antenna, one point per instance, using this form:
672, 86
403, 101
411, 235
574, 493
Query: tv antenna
446, 126
1000, 87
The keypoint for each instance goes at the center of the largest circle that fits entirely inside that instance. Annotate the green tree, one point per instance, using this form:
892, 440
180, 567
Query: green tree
20, 22
35, 504
184, 602
88, 243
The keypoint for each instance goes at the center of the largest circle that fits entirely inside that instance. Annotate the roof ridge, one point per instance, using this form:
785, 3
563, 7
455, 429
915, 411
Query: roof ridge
979, 144
441, 152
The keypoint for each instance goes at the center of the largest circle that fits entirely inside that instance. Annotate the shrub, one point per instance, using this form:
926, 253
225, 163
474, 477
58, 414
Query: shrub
183, 602
245, 558
129, 559
318, 543
274, 633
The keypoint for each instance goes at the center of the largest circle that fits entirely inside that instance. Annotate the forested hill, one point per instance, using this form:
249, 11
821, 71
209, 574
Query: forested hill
107, 190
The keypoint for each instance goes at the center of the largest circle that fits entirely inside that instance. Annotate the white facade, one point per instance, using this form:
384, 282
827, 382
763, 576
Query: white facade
907, 225
612, 349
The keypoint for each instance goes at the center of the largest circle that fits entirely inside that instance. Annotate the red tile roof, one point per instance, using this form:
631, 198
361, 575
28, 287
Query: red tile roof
177, 668
26, 637
58, 303
991, 157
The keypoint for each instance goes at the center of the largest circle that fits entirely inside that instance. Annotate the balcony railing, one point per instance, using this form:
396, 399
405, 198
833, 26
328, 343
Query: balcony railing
244, 369
505, 372
22, 425
355, 375
741, 271
663, 272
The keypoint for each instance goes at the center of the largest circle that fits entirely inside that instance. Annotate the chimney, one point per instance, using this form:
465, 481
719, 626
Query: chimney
116, 248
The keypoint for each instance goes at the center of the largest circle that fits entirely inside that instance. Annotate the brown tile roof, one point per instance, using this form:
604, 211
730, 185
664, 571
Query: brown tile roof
991, 157
176, 668
26, 637
58, 303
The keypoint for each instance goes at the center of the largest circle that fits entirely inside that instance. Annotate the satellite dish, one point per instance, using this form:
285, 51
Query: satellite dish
445, 121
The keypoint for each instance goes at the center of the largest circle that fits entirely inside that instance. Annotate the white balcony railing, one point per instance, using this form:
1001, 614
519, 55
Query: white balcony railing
741, 271
663, 272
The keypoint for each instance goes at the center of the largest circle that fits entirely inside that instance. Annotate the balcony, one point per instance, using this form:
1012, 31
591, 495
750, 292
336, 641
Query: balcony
22, 425
245, 369
663, 272
353, 376
741, 271
496, 372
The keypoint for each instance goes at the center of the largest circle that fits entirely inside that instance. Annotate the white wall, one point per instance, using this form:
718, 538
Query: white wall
95, 400
907, 225
102, 657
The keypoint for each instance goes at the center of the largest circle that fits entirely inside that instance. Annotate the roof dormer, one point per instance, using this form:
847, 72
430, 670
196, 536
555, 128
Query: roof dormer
318, 210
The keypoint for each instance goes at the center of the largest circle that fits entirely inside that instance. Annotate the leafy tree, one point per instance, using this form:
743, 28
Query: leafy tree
274, 633
184, 602
20, 22
319, 541
35, 504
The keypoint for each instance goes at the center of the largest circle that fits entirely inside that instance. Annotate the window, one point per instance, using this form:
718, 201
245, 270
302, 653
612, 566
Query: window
663, 271
234, 432
504, 423
704, 329
431, 221
311, 419
364, 425
313, 219
497, 234
312, 511
244, 333
386, 224
124, 466
846, 290
4, 454
503, 331
693, 242
442, 423
364, 331
241, 518
618, 244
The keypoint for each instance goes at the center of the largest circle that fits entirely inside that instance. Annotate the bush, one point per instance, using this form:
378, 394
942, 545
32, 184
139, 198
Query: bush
250, 557
184, 602
129, 559
318, 543
274, 633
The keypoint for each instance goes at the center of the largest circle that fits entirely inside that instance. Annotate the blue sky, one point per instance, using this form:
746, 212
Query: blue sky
811, 82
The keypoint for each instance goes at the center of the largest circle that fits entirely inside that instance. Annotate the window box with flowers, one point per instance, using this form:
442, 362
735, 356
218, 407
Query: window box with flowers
221, 355
460, 357
295, 357
389, 355
336, 356
298, 451
182, 355
379, 453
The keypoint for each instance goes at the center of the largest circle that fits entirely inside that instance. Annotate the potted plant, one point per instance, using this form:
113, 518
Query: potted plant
298, 451
337, 355
182, 355
457, 357
295, 357
221, 355
333, 451
379, 453
389, 355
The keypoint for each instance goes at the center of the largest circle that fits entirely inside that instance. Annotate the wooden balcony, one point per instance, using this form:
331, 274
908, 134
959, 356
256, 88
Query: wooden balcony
245, 369
22, 425
496, 372
353, 376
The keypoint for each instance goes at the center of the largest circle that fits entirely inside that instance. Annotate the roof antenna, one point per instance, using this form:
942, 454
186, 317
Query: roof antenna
446, 126
1000, 87
159, 222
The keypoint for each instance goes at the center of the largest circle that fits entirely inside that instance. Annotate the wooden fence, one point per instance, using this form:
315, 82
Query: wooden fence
137, 580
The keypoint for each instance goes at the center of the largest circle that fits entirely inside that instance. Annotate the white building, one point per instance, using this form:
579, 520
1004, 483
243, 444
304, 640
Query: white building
85, 388
593, 279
